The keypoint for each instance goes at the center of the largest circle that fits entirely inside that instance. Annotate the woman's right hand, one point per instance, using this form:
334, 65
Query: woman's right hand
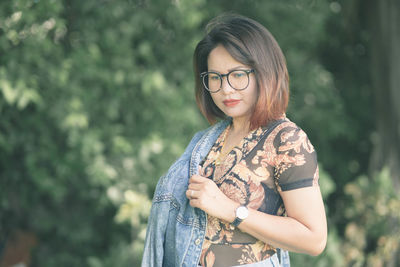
204, 194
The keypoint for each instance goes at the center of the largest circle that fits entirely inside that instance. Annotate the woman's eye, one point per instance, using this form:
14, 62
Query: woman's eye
238, 74
214, 77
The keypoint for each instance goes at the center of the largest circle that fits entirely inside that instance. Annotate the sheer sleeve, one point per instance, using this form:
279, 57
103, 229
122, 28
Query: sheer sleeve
296, 163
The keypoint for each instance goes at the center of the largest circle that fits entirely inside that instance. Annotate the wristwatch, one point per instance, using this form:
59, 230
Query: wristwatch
241, 213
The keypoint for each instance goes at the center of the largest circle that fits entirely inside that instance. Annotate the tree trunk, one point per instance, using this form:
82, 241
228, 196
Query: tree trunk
385, 70
384, 25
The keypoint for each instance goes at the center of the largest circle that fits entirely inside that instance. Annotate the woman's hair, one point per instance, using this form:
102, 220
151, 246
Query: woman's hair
250, 43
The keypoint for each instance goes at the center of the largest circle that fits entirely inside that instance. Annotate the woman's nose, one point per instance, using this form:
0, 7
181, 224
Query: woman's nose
225, 86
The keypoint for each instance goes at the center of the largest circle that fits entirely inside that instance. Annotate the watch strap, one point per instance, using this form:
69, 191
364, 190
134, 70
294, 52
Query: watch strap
236, 222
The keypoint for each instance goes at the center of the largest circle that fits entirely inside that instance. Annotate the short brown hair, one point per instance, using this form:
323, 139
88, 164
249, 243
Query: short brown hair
251, 44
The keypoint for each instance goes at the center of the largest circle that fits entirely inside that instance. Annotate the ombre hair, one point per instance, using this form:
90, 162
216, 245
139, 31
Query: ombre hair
251, 44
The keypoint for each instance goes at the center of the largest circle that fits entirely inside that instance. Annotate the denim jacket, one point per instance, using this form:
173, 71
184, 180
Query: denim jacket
176, 230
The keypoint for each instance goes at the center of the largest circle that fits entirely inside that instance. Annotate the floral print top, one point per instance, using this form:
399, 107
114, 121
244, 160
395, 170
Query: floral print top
253, 174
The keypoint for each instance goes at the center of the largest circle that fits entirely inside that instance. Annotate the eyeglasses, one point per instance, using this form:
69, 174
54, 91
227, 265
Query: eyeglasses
237, 79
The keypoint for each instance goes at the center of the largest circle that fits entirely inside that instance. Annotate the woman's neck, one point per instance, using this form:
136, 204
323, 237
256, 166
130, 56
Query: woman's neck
240, 126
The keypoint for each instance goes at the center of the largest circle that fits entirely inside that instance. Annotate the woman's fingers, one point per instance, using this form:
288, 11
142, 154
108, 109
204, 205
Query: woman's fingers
197, 179
200, 170
190, 193
195, 186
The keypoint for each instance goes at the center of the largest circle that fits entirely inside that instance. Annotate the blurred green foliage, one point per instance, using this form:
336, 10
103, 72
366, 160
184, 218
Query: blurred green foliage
96, 101
373, 232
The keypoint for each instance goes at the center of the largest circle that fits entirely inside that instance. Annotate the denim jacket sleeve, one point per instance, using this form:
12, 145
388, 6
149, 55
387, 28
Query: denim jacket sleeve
154, 243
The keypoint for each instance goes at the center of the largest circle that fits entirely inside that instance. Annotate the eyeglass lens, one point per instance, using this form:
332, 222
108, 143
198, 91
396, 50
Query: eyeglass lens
237, 79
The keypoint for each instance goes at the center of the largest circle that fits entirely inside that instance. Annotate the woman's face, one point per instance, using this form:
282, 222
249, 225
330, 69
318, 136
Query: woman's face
235, 104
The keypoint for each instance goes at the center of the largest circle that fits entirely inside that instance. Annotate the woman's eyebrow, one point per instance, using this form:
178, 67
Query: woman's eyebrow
231, 69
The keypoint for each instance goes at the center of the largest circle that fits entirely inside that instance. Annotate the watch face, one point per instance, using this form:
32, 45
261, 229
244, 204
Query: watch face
242, 212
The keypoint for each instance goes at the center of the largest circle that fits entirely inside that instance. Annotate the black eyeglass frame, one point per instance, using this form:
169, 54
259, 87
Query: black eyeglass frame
204, 74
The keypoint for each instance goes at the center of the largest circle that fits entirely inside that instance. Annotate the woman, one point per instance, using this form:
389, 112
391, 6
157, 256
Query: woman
246, 190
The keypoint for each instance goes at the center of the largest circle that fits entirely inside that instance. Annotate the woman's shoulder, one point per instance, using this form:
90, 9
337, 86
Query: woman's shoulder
287, 132
283, 125
213, 130
194, 152
201, 141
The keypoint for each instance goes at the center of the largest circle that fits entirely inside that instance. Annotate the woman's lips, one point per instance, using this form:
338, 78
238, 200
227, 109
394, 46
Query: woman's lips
231, 102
